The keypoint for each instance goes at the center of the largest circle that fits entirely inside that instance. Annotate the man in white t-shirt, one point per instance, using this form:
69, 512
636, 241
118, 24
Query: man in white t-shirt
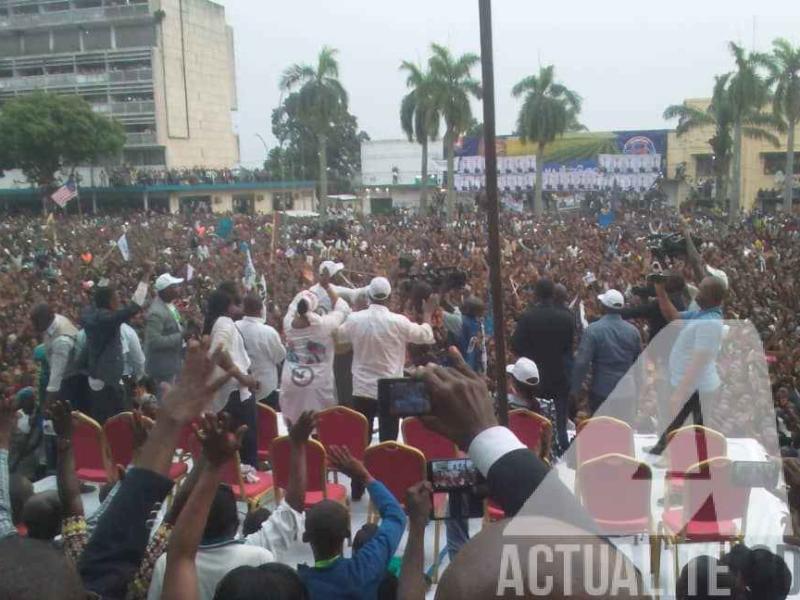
265, 349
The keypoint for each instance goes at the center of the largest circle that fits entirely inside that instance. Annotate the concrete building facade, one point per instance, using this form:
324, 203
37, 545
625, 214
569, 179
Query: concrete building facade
762, 163
165, 69
397, 162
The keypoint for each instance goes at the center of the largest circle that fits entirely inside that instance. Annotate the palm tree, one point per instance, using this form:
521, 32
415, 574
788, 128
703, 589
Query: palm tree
453, 87
783, 75
419, 118
321, 99
717, 116
748, 95
549, 109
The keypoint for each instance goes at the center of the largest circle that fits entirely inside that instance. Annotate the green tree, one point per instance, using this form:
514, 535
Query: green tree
45, 134
321, 99
748, 94
297, 157
717, 117
453, 87
419, 118
783, 76
549, 109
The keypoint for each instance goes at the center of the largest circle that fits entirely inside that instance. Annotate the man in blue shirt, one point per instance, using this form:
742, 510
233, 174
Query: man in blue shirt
328, 525
693, 359
610, 347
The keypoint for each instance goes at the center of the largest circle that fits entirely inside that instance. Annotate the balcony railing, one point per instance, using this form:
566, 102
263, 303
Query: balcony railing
141, 139
132, 108
58, 80
76, 16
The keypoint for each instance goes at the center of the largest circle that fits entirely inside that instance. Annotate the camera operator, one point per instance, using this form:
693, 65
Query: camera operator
465, 329
700, 268
648, 308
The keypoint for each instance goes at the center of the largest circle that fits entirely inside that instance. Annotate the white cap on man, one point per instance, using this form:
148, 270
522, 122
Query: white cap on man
165, 280
524, 371
379, 288
331, 267
612, 299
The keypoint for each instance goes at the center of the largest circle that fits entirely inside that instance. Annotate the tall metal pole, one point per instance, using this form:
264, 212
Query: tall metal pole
492, 208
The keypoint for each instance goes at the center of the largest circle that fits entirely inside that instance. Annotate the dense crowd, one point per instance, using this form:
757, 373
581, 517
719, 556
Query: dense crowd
127, 175
423, 282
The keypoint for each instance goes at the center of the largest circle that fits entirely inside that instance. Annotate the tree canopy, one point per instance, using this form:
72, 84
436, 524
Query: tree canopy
43, 134
296, 156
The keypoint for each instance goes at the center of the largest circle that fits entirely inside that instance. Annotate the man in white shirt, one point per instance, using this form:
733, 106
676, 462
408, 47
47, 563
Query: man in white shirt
379, 338
132, 354
264, 347
332, 272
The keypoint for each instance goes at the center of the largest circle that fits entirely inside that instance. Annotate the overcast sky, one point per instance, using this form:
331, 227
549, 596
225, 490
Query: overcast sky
628, 59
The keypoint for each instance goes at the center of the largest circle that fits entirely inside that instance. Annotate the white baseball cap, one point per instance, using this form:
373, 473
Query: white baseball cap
165, 280
612, 299
379, 288
331, 267
524, 371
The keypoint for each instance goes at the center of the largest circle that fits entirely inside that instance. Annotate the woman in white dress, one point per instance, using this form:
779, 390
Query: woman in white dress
307, 380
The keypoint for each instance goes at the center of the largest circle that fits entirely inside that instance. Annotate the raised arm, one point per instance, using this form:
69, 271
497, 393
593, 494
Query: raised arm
8, 420
411, 584
666, 306
299, 434
69, 488
692, 254
219, 445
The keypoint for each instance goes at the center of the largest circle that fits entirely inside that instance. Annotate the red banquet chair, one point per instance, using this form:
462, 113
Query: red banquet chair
342, 426
599, 436
687, 447
317, 486
616, 491
92, 454
533, 430
267, 430
231, 475
119, 433
398, 467
433, 445
712, 505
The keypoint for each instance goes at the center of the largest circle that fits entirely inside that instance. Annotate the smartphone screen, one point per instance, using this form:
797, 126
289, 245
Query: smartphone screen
755, 474
457, 489
403, 397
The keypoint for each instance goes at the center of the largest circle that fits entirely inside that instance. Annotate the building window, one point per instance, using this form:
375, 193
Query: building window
37, 43
66, 40
9, 45
134, 36
704, 165
56, 6
87, 3
148, 157
97, 38
775, 162
282, 201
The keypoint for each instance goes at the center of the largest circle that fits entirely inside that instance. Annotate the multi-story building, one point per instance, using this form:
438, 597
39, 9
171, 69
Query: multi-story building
162, 68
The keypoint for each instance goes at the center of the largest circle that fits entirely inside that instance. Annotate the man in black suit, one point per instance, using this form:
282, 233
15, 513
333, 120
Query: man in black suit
544, 334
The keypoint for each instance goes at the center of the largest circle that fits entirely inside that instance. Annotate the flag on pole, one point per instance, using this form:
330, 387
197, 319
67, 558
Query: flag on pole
262, 287
65, 193
122, 244
249, 272
189, 272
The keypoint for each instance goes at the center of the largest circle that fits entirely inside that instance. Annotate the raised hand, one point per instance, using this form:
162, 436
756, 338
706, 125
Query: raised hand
305, 424
60, 412
343, 461
141, 426
195, 390
219, 440
419, 499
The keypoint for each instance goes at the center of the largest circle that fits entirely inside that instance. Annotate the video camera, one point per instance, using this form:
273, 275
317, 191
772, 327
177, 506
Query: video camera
669, 245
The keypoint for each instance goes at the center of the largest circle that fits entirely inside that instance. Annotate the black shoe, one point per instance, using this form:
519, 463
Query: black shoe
86, 488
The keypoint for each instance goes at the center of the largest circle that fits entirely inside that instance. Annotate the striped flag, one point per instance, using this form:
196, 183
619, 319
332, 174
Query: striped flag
65, 193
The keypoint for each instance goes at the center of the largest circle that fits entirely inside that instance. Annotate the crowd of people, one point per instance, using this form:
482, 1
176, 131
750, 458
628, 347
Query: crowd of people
127, 175
301, 318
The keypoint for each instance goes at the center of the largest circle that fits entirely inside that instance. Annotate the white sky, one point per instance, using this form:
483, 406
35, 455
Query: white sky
628, 59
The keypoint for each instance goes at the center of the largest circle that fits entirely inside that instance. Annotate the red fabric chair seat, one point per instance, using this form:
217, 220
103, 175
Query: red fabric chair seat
335, 491
177, 470
252, 490
95, 475
495, 512
624, 527
263, 455
699, 531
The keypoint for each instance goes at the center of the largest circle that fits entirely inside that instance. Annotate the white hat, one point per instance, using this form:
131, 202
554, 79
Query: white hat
612, 299
165, 280
524, 371
379, 288
331, 267
310, 297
